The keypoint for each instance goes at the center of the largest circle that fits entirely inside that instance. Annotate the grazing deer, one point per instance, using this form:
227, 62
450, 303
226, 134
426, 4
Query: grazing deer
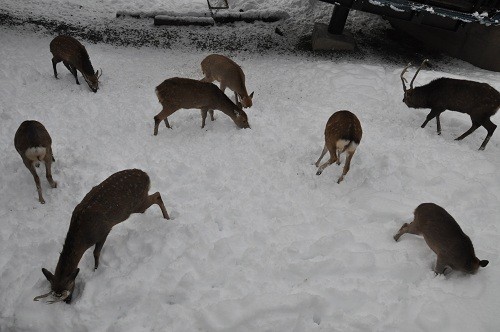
445, 237
479, 100
75, 57
34, 144
217, 67
342, 133
176, 93
106, 205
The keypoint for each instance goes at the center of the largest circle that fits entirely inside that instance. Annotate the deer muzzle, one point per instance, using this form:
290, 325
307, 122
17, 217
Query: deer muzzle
55, 297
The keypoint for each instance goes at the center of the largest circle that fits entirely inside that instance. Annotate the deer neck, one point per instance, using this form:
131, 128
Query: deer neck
420, 97
226, 106
70, 257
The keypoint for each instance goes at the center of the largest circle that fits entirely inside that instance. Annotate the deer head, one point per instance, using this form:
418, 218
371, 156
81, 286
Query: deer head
241, 119
93, 80
408, 98
246, 101
62, 288
472, 266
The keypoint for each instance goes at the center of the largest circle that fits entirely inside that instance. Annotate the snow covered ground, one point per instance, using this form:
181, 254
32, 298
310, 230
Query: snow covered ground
258, 242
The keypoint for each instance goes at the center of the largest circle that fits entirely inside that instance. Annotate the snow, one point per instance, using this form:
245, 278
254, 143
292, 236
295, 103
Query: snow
258, 242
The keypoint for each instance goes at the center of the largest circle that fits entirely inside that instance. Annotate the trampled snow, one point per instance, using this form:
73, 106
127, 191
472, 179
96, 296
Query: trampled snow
258, 242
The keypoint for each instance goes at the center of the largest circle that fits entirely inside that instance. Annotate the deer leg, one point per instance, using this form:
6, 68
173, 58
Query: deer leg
166, 123
48, 168
333, 158
153, 199
97, 251
29, 165
406, 228
438, 122
73, 71
432, 114
54, 63
76, 75
211, 115
339, 151
347, 165
162, 116
203, 117
67, 65
475, 125
490, 127
322, 155
237, 100
440, 266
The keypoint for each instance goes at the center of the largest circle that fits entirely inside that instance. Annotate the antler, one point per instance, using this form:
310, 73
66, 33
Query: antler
404, 79
421, 66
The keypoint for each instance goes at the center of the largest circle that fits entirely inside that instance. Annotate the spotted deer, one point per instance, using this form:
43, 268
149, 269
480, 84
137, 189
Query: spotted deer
219, 68
177, 93
107, 204
75, 57
34, 144
342, 134
479, 100
445, 237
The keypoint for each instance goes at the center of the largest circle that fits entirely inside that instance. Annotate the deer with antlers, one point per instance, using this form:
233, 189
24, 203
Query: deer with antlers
479, 100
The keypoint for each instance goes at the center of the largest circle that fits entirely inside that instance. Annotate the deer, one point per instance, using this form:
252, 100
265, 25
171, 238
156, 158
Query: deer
34, 144
75, 57
177, 93
219, 68
479, 100
444, 236
342, 134
106, 205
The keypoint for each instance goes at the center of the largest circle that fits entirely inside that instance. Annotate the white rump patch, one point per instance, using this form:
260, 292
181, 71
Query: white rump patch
346, 145
36, 154
342, 143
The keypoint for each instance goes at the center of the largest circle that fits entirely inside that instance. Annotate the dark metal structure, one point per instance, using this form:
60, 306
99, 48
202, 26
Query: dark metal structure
446, 14
467, 29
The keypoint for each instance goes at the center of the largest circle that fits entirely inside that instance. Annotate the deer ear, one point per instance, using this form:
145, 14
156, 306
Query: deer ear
483, 263
251, 95
74, 274
47, 274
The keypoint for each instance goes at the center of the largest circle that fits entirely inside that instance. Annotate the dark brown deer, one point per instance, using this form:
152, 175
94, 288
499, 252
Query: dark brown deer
479, 100
176, 93
106, 205
75, 57
342, 133
445, 237
217, 67
34, 144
